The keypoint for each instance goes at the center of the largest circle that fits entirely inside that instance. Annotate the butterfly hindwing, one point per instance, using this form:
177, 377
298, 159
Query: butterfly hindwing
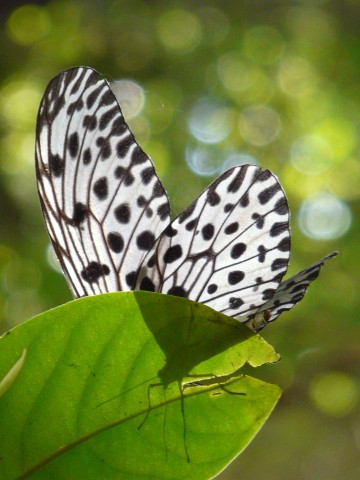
229, 249
103, 203
290, 292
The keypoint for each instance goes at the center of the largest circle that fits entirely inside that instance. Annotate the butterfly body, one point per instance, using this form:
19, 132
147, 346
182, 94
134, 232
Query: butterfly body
108, 215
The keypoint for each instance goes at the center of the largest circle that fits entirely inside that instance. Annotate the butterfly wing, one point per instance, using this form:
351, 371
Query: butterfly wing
229, 249
103, 203
289, 293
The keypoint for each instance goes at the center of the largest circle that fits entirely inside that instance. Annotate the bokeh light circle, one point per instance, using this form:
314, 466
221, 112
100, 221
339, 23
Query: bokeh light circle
236, 74
311, 154
296, 76
263, 44
28, 24
334, 393
324, 217
259, 125
209, 122
130, 96
203, 160
179, 30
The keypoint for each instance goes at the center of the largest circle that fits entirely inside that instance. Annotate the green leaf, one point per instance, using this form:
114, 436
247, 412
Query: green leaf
129, 385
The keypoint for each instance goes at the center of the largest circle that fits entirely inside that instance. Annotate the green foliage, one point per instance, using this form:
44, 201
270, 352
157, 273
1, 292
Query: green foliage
301, 60
101, 391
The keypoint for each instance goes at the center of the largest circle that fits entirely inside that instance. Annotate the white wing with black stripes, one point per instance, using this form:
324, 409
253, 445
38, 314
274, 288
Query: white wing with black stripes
229, 249
103, 203
108, 215
289, 293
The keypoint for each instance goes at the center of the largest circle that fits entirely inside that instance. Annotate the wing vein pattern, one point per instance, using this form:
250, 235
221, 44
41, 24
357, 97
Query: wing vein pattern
228, 249
108, 216
103, 203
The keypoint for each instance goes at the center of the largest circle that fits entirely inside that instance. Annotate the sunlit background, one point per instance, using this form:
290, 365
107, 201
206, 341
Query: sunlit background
206, 85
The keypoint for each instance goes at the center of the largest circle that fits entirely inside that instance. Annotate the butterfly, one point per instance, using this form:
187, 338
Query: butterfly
108, 215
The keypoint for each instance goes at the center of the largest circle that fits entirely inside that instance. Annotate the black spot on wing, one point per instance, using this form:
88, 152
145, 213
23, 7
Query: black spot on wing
278, 228
91, 99
191, 225
213, 198
172, 254
232, 228
129, 179
94, 271
118, 127
125, 175
262, 253
70, 74
145, 240
147, 284
151, 261
208, 231
228, 207
267, 194
259, 220
244, 200
87, 156
163, 211
284, 244
187, 213
237, 181
105, 150
100, 141
235, 303
101, 188
123, 145
122, 213
138, 156
170, 231
178, 291
281, 207
237, 250
56, 165
79, 214
73, 144
141, 201
119, 172
115, 242
107, 117
158, 190
90, 122
235, 277
268, 293
130, 279
265, 175
212, 288
108, 98
147, 175
279, 263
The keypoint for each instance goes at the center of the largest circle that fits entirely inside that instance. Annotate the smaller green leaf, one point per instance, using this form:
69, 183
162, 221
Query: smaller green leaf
130, 385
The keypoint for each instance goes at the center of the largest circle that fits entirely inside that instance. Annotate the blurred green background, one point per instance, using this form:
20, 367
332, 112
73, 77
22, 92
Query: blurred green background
207, 85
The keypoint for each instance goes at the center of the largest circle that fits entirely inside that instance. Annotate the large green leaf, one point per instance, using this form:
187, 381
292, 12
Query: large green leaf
92, 390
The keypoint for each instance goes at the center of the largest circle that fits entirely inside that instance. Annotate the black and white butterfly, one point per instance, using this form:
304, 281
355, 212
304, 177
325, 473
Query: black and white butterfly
108, 215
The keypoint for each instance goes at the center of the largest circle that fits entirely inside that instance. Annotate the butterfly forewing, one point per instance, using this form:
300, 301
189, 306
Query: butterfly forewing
229, 249
102, 200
